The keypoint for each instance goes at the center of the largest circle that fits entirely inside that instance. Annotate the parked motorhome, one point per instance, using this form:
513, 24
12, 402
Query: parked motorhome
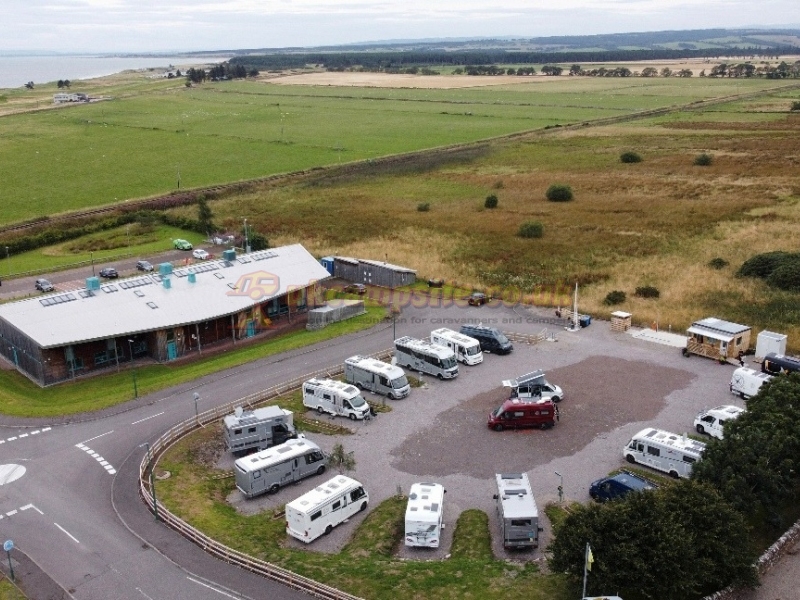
317, 512
713, 421
776, 364
523, 412
335, 398
466, 349
422, 355
376, 376
746, 382
424, 515
490, 338
534, 385
517, 511
664, 451
267, 471
253, 430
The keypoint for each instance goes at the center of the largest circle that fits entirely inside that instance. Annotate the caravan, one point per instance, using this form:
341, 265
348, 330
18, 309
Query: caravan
335, 398
251, 431
424, 514
775, 364
517, 511
664, 451
466, 349
269, 470
317, 512
423, 356
377, 376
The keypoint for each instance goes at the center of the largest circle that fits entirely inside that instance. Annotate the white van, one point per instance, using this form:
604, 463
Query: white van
317, 512
466, 349
664, 451
336, 398
712, 421
746, 382
424, 515
377, 376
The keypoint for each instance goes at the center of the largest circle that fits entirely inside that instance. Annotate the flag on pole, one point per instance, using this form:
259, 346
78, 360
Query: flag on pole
589, 557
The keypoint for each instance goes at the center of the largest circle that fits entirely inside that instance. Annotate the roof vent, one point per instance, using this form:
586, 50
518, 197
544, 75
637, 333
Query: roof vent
192, 278
165, 269
167, 283
92, 283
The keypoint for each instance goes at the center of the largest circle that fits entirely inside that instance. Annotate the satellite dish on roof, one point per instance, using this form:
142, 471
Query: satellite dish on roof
238, 411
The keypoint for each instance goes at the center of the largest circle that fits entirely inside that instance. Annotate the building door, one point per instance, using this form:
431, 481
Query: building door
251, 328
172, 350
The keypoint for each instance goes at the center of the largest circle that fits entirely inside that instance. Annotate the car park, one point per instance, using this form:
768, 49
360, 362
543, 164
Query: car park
200, 254
109, 273
356, 288
144, 265
618, 486
180, 244
44, 285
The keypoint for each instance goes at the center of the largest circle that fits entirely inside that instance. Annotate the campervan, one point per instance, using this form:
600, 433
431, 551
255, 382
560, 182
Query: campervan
423, 356
317, 512
664, 451
490, 338
254, 430
519, 412
775, 364
267, 471
466, 349
746, 382
534, 385
335, 398
517, 511
424, 514
376, 376
713, 421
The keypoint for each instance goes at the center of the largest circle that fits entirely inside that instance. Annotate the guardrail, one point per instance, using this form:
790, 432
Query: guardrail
207, 543
526, 338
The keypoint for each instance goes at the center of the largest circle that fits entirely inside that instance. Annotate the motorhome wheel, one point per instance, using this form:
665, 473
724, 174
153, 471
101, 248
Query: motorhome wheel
673, 474
321, 470
630, 459
273, 489
363, 507
328, 529
700, 429
319, 409
352, 416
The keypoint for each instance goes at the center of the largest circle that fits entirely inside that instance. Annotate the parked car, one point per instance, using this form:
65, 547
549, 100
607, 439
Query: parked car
144, 265
44, 285
180, 244
200, 254
356, 288
477, 299
109, 273
617, 486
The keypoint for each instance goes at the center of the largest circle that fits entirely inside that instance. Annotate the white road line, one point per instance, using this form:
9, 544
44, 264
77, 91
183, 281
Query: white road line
67, 532
95, 437
143, 594
11, 513
46, 429
34, 432
147, 418
211, 588
27, 506
22, 435
11, 439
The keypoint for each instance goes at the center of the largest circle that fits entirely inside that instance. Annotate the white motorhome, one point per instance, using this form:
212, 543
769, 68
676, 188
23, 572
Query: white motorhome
517, 511
746, 382
424, 515
267, 471
664, 451
317, 512
377, 376
336, 398
466, 349
253, 430
713, 421
426, 357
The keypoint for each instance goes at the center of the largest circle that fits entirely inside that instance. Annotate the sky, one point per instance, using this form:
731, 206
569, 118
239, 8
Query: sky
105, 26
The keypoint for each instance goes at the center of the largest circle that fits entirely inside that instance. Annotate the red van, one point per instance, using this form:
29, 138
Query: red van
524, 412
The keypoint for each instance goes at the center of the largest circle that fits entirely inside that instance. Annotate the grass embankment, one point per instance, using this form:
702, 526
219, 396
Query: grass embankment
19, 397
8, 591
366, 566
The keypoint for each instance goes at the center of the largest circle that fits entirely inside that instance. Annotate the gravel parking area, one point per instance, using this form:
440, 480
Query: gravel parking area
614, 385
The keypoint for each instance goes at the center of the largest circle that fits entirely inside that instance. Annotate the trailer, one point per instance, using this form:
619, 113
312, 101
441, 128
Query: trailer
517, 511
269, 470
317, 512
424, 515
335, 398
377, 376
254, 430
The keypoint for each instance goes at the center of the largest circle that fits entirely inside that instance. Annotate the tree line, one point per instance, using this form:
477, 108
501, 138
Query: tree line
220, 72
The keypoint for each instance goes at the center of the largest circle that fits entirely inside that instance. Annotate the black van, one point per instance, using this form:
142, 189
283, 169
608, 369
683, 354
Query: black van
491, 339
775, 364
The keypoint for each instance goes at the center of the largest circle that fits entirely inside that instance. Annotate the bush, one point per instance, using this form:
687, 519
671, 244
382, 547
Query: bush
630, 157
718, 263
703, 160
498, 185
559, 193
796, 105
615, 297
762, 265
491, 201
786, 277
647, 291
531, 229
423, 206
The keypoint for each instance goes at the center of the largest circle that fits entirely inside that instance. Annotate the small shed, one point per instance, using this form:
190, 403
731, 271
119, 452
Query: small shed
372, 272
620, 321
717, 339
333, 311
768, 341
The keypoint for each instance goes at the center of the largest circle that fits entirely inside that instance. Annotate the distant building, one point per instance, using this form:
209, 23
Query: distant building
369, 272
64, 97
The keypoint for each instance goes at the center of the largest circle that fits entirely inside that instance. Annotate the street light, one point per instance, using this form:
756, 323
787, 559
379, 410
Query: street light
246, 240
152, 480
8, 546
8, 260
91, 256
196, 398
133, 370
560, 487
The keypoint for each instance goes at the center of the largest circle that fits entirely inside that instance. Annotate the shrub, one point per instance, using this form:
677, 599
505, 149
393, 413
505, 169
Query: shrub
491, 201
647, 291
630, 157
423, 206
559, 193
786, 276
498, 185
762, 265
703, 160
531, 229
718, 263
796, 105
615, 297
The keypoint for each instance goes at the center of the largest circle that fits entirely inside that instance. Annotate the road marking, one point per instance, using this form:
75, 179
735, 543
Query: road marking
22, 435
11, 439
67, 532
103, 462
147, 418
143, 594
211, 588
94, 438
27, 506
11, 513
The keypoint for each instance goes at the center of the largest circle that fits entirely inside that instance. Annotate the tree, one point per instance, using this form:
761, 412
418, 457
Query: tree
491, 201
29, 85
795, 105
559, 193
575, 70
205, 216
551, 70
630, 157
649, 72
340, 460
666, 72
257, 241
531, 229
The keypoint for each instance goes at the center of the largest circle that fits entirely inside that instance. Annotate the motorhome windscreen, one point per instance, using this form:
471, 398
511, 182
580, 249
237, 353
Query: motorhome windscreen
473, 350
357, 401
449, 363
400, 382
502, 338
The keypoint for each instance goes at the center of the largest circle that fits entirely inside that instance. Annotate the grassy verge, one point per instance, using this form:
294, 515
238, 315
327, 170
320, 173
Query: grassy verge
8, 591
21, 398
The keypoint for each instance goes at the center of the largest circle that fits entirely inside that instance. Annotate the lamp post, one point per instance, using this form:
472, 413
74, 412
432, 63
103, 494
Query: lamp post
560, 487
133, 370
196, 415
152, 479
91, 257
246, 239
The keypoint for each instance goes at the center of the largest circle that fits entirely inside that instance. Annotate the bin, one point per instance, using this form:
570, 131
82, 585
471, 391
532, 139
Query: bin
585, 320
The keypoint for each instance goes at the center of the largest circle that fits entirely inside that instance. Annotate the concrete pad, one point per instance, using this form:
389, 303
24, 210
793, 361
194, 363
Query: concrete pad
659, 337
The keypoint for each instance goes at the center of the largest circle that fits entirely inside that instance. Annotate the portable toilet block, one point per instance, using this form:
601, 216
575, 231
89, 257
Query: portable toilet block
768, 341
327, 262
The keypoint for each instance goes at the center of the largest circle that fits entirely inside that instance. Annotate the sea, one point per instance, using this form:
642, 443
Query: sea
17, 70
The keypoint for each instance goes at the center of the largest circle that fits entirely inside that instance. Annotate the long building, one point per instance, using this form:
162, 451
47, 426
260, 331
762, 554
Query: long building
165, 315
